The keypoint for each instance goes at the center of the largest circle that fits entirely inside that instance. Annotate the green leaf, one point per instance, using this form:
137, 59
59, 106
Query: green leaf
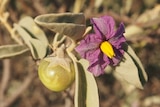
35, 31
128, 70
69, 24
38, 49
80, 86
142, 74
86, 92
12, 50
131, 68
92, 99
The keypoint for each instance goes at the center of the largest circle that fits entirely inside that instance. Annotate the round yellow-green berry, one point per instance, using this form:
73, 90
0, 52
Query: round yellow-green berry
56, 77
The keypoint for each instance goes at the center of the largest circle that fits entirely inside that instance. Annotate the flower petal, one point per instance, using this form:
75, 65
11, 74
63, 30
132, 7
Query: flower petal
119, 55
93, 55
97, 66
118, 38
88, 45
106, 59
104, 25
89, 48
96, 69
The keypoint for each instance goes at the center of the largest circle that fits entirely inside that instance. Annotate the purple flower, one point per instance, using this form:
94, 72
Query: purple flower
104, 46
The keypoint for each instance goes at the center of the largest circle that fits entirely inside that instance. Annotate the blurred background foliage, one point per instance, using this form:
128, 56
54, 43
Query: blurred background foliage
142, 19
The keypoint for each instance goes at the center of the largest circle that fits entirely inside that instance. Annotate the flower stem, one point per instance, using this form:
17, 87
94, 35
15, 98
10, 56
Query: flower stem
57, 42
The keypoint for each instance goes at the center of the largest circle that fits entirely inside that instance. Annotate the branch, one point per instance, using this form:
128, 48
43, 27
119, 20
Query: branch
5, 79
3, 4
3, 19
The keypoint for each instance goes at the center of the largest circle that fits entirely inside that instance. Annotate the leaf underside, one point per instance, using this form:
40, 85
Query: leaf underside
12, 50
131, 68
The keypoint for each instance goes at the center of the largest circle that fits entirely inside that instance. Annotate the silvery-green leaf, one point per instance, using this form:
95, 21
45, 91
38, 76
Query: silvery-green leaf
131, 69
128, 70
33, 44
80, 86
85, 85
69, 24
142, 74
35, 31
12, 50
39, 49
92, 97
25, 36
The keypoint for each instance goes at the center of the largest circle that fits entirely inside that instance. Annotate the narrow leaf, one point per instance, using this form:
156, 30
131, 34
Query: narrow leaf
92, 98
142, 74
12, 50
37, 48
128, 70
26, 37
69, 24
35, 31
131, 68
80, 86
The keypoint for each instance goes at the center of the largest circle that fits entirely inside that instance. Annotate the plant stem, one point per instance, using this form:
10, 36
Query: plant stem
4, 80
3, 4
78, 5
57, 42
3, 19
